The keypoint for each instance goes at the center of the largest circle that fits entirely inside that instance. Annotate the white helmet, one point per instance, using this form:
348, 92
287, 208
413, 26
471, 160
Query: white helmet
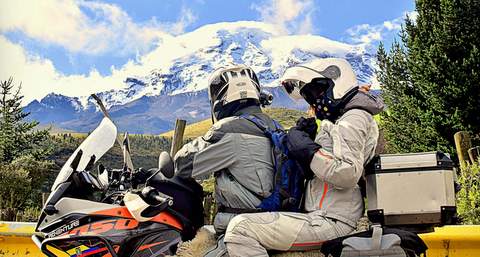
326, 84
232, 87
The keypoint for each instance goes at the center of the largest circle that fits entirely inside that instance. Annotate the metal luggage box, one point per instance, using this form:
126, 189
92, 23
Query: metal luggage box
414, 189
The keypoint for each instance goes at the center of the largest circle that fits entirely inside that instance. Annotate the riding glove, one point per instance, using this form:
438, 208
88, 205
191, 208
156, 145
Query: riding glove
308, 125
302, 148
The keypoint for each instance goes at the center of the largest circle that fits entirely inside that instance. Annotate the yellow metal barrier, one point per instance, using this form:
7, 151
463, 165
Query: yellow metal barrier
15, 240
453, 241
447, 241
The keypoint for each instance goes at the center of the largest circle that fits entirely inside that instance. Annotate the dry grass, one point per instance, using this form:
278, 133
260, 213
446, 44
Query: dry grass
286, 117
193, 130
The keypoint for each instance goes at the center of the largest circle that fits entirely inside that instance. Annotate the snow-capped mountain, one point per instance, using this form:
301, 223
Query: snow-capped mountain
175, 86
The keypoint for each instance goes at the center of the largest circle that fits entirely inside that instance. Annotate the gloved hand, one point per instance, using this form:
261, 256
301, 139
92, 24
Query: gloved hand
308, 125
302, 148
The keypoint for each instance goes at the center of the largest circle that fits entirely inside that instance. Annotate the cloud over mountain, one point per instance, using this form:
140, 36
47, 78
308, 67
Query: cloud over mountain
170, 81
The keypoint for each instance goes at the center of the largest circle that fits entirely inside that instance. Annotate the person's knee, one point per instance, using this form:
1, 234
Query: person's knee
235, 224
245, 223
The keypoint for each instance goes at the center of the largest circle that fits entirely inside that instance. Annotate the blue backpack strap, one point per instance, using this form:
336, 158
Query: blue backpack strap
277, 125
258, 122
275, 137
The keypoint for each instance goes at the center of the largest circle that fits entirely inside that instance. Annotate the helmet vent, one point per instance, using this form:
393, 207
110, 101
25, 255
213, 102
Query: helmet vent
331, 72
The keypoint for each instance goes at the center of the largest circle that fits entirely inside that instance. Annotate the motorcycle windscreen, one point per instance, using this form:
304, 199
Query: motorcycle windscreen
92, 247
96, 144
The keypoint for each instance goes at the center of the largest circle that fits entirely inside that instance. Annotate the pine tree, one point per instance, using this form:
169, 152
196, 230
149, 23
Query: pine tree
431, 83
22, 152
17, 136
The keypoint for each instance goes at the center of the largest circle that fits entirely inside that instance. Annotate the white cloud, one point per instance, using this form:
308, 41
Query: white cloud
367, 33
289, 16
187, 17
87, 26
412, 15
40, 77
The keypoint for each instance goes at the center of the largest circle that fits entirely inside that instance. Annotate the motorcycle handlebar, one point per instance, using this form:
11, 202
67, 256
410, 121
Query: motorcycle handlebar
161, 199
157, 197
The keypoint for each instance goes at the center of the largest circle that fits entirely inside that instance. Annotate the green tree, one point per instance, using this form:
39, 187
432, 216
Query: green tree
468, 198
15, 186
23, 152
17, 136
431, 81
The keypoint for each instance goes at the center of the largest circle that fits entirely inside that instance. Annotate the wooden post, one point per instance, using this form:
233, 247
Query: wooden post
462, 144
177, 140
474, 153
44, 197
207, 207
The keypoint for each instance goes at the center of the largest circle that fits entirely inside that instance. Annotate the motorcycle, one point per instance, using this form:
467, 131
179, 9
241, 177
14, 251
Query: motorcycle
117, 212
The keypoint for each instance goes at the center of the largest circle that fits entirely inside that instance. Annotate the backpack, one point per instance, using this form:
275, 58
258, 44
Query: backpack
377, 241
289, 179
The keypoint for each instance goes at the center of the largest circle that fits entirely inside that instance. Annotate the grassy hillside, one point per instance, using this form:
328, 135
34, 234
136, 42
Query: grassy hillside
146, 148
53, 129
286, 117
193, 130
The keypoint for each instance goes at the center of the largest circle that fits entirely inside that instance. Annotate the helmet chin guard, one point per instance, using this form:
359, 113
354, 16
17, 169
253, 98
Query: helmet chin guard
329, 108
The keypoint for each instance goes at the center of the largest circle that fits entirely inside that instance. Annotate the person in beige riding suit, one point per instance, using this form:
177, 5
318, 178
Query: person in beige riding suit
345, 143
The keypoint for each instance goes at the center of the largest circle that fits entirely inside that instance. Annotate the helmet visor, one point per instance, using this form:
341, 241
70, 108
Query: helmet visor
217, 88
292, 87
312, 91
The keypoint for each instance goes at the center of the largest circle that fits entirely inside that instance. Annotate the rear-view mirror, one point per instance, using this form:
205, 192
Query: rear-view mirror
165, 164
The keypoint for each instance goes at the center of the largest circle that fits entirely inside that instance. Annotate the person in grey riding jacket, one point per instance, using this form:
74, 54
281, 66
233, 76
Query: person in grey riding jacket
335, 160
234, 149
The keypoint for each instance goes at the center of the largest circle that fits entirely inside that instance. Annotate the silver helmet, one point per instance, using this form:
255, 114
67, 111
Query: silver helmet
231, 87
326, 84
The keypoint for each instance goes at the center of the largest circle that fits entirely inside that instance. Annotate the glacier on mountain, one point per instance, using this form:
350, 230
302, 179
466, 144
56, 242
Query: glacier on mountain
178, 69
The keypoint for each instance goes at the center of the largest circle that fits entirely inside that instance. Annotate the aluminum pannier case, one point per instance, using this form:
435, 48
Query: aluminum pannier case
414, 190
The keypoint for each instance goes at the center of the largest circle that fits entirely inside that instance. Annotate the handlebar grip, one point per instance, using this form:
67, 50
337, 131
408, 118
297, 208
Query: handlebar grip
154, 197
162, 199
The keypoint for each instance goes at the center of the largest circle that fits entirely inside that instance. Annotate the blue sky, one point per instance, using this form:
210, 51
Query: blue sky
88, 38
